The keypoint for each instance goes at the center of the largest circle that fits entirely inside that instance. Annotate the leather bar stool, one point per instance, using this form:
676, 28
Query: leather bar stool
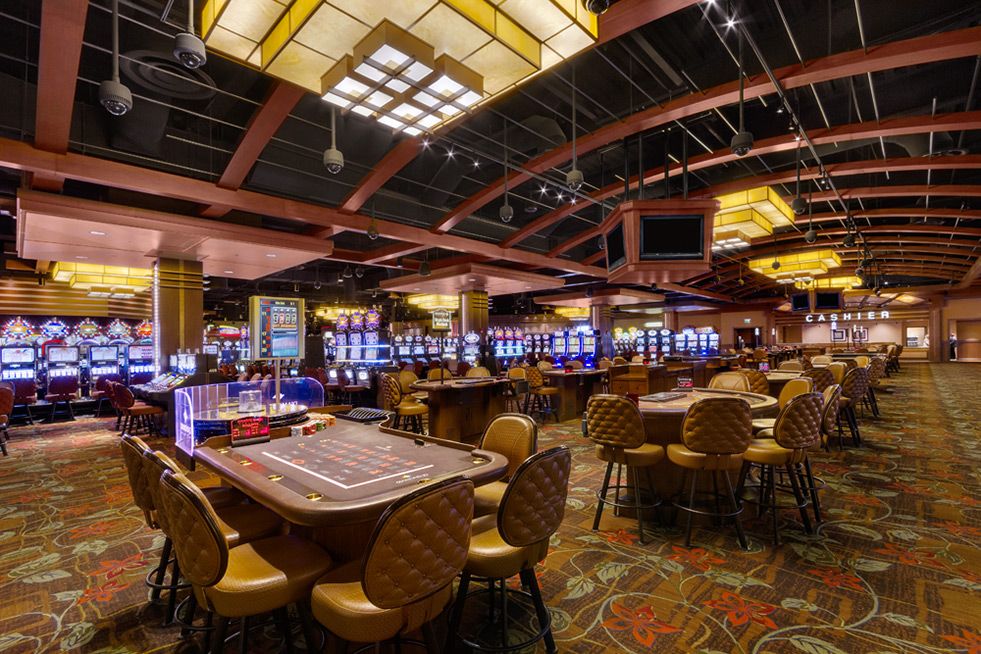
6, 408
261, 576
101, 392
730, 381
790, 390
514, 435
478, 371
539, 397
546, 365
408, 410
517, 388
830, 423
348, 388
62, 390
758, 383
821, 359
714, 434
405, 578
615, 425
25, 395
822, 378
796, 431
853, 388
791, 365
512, 541
135, 414
462, 368
838, 370
876, 368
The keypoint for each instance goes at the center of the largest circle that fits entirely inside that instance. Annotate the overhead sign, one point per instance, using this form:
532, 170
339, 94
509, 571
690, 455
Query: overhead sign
276, 327
847, 316
442, 320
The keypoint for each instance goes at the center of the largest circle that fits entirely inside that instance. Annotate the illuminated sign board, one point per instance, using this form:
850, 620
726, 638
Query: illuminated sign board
847, 316
276, 327
442, 320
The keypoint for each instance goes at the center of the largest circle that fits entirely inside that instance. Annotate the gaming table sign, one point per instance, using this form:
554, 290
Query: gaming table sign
847, 316
442, 320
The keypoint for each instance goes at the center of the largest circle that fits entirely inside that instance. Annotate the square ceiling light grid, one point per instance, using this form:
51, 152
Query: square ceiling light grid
474, 49
746, 215
802, 267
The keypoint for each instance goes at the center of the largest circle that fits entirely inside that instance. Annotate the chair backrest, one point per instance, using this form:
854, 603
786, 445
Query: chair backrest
791, 365
438, 373
637, 359
718, 425
63, 385
133, 451
154, 465
7, 384
850, 364
821, 358
391, 390
256, 377
242, 377
517, 373
417, 367
407, 377
533, 504
463, 367
838, 370
832, 400
478, 371
124, 396
544, 365
312, 373
535, 377
619, 361
419, 545
793, 388
877, 368
731, 381
760, 355
758, 383
604, 364
861, 362
200, 544
549, 358
798, 425
25, 388
862, 350
515, 435
575, 364
614, 421
855, 384
6, 401
822, 378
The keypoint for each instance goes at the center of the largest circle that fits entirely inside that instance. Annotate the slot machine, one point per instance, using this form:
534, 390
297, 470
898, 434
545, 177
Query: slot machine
398, 348
140, 368
432, 347
418, 348
546, 344
559, 345
103, 360
713, 343
371, 347
589, 346
471, 347
680, 343
62, 361
520, 343
702, 344
355, 343
499, 343
405, 348
18, 361
509, 347
666, 341
340, 338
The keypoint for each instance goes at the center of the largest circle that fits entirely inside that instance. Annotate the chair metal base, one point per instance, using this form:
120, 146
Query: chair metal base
735, 508
635, 504
768, 487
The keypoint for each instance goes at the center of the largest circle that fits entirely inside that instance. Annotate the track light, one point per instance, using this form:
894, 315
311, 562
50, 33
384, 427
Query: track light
333, 158
601, 242
742, 141
589, 292
810, 236
574, 179
741, 281
373, 232
878, 291
775, 265
317, 285
859, 270
113, 94
424, 269
188, 48
347, 272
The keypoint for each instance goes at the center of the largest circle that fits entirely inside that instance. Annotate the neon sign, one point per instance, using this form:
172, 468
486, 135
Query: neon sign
847, 316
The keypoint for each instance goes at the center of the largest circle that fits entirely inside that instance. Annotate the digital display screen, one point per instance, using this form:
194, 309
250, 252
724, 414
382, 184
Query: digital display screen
827, 300
371, 338
371, 354
102, 353
62, 354
672, 237
616, 253
800, 302
17, 355
355, 338
140, 352
277, 325
249, 428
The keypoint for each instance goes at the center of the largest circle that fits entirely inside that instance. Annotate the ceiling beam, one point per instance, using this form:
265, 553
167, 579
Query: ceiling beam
679, 288
970, 275
904, 190
627, 15
268, 118
104, 172
899, 212
921, 50
786, 142
594, 257
394, 251
62, 29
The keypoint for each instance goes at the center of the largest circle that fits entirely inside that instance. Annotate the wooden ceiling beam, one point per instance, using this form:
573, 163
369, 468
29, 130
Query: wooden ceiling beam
921, 50
394, 251
903, 190
594, 257
397, 158
897, 212
971, 275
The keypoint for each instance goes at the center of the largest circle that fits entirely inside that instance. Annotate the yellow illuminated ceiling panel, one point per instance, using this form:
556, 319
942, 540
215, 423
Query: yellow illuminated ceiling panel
844, 283
799, 267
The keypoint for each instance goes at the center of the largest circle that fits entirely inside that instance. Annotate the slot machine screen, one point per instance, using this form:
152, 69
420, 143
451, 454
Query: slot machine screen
102, 353
764, 366
363, 377
62, 355
17, 355
371, 354
370, 338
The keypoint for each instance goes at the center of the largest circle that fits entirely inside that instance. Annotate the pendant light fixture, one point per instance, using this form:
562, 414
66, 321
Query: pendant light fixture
113, 94
798, 204
424, 269
506, 212
742, 141
372, 231
333, 158
810, 236
574, 178
188, 48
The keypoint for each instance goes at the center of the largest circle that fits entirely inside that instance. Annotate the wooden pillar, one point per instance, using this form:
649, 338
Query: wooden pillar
473, 314
601, 318
178, 307
939, 349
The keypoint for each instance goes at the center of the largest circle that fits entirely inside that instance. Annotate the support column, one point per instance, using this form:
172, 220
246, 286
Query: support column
473, 314
939, 349
601, 318
178, 308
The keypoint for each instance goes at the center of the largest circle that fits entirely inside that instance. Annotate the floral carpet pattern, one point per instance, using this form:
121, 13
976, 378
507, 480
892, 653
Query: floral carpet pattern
894, 568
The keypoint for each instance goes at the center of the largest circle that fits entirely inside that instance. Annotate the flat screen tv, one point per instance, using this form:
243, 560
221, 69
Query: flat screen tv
616, 253
800, 302
672, 237
827, 300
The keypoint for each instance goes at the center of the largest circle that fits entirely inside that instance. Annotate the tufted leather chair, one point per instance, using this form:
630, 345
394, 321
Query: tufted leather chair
838, 370
544, 366
791, 365
514, 540
575, 364
260, 576
539, 396
790, 390
407, 377
821, 359
478, 371
822, 378
796, 431
517, 388
405, 578
854, 386
136, 415
6, 408
758, 383
619, 361
515, 435
25, 394
615, 425
714, 434
462, 368
434, 373
730, 381
101, 392
862, 361
876, 368
408, 410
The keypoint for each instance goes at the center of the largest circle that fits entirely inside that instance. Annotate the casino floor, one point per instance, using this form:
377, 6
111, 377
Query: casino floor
895, 567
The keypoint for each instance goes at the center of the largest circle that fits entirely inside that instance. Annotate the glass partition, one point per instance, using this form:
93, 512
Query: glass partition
206, 411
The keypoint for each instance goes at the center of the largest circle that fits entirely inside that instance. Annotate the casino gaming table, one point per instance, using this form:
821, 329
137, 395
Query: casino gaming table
461, 407
779, 378
575, 386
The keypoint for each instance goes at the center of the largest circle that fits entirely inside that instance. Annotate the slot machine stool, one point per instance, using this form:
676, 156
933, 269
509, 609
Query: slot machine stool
62, 389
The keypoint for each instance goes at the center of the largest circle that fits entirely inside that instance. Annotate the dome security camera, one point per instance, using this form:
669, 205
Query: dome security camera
775, 265
653, 286
373, 232
596, 7
189, 50
333, 161
810, 236
115, 97
849, 240
799, 205
741, 143
506, 213
574, 179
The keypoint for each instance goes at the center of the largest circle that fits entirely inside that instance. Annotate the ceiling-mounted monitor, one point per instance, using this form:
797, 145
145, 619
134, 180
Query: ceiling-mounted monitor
672, 237
827, 301
800, 302
616, 254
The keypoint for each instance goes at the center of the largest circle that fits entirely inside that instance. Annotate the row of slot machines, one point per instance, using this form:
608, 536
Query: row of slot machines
698, 343
417, 347
652, 343
578, 343
508, 342
133, 363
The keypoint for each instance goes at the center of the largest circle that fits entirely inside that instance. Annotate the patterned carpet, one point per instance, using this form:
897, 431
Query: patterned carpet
894, 568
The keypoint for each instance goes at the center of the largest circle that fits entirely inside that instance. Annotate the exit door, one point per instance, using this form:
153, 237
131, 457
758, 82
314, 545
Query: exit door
746, 337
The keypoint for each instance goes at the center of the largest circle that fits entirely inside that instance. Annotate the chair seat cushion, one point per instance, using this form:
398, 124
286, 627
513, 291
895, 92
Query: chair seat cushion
680, 455
144, 410
25, 400
221, 496
267, 574
60, 397
487, 498
355, 388
844, 401
646, 455
98, 395
767, 452
492, 558
339, 603
244, 523
763, 423
545, 390
411, 408
421, 396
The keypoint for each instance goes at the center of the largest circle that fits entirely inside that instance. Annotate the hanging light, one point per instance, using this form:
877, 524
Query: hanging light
810, 236
113, 94
849, 239
359, 272
742, 141
424, 269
